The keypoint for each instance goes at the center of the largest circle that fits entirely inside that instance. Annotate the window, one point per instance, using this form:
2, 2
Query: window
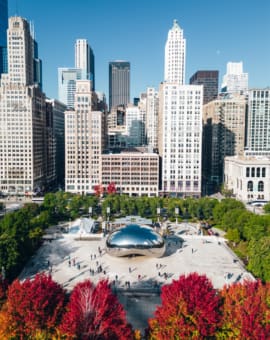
247, 172
263, 172
250, 186
258, 172
252, 172
261, 186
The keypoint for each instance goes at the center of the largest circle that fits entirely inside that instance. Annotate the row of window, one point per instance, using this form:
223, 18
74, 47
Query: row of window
255, 172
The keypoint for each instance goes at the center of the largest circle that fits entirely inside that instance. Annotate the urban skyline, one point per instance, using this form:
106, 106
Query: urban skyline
141, 37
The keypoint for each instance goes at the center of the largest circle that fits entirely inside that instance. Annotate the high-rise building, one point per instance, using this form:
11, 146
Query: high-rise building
258, 127
84, 70
235, 80
119, 83
24, 125
223, 135
209, 80
84, 141
180, 139
37, 67
3, 36
151, 121
57, 110
175, 54
67, 78
85, 60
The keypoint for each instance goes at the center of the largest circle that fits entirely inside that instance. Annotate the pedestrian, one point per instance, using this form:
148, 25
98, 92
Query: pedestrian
91, 257
156, 265
69, 263
129, 269
116, 277
97, 263
104, 272
159, 274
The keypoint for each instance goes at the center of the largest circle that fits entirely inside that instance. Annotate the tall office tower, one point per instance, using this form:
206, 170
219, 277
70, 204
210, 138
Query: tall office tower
67, 78
85, 60
119, 83
235, 80
37, 67
135, 129
223, 135
22, 117
84, 141
58, 126
180, 138
209, 80
3, 36
151, 121
258, 127
175, 54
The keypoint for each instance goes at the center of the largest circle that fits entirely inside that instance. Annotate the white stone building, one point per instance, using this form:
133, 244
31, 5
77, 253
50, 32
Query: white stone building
180, 138
23, 135
175, 54
235, 80
151, 119
248, 177
84, 141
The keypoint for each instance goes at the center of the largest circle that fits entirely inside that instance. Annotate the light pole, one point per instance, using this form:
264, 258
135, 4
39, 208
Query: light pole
3, 273
90, 210
158, 213
176, 210
108, 210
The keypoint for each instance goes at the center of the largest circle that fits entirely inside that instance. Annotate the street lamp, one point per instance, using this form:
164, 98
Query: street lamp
176, 210
158, 213
108, 210
90, 210
3, 273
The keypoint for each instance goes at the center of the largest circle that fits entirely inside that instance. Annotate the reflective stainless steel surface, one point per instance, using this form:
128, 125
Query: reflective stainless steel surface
134, 239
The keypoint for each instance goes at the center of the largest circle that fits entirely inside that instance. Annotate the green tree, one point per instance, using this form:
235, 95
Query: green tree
259, 258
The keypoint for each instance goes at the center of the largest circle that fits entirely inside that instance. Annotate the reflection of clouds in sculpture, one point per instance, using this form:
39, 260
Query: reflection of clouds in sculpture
137, 240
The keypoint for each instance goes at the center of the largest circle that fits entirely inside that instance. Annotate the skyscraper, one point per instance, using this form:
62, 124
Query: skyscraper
3, 36
119, 83
84, 141
24, 127
180, 123
209, 80
175, 54
258, 128
84, 60
84, 70
67, 77
235, 80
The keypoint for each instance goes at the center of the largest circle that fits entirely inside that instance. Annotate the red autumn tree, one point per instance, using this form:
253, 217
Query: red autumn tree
94, 312
98, 190
111, 188
190, 309
32, 306
246, 311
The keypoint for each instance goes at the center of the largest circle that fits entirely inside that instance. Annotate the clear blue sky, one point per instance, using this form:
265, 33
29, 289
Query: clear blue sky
136, 31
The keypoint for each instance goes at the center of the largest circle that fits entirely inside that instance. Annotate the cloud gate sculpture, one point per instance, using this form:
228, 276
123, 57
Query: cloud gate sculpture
134, 239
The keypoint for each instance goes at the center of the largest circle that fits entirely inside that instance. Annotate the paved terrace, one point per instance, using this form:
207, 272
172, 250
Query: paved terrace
71, 261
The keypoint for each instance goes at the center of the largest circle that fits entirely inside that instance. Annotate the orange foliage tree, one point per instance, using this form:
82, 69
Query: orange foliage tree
246, 311
190, 309
32, 307
94, 312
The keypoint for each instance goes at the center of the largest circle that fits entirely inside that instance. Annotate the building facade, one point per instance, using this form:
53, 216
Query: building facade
23, 120
85, 60
248, 177
180, 139
209, 80
3, 36
119, 83
175, 54
223, 135
84, 141
235, 80
258, 127
67, 78
133, 173
151, 120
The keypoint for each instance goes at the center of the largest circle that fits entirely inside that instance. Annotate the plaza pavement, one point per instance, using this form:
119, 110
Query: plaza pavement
186, 252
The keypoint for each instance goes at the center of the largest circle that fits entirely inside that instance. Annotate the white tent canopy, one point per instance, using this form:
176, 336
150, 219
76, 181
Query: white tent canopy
82, 226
